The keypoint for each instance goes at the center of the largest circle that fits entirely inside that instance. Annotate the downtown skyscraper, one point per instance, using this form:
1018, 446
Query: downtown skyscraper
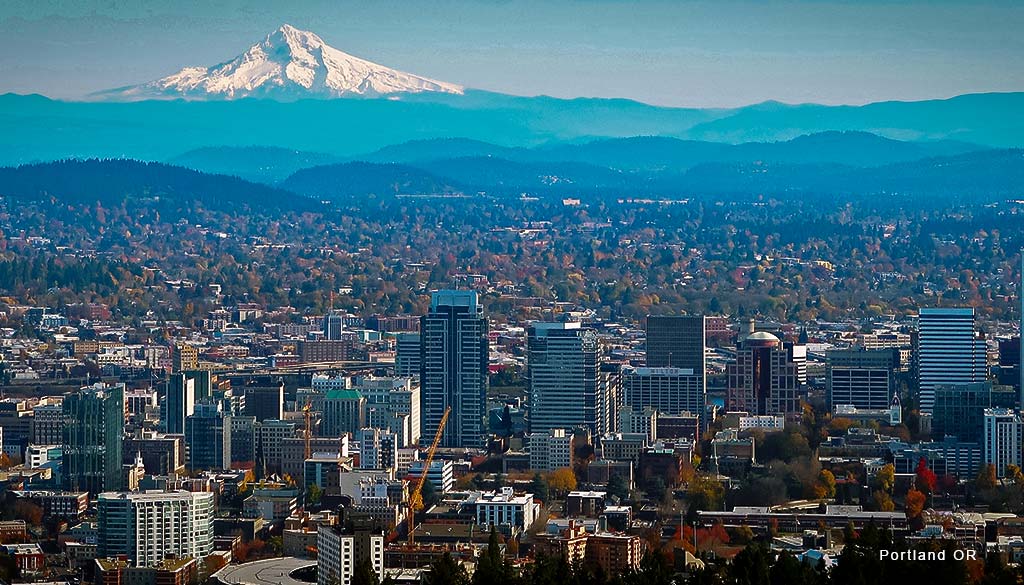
675, 379
949, 352
453, 368
93, 434
563, 363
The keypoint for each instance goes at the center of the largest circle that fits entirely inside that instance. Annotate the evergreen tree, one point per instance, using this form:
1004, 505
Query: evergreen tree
445, 571
491, 568
539, 487
363, 573
617, 487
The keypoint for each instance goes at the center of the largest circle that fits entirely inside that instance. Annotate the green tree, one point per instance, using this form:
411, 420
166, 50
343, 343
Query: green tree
491, 568
313, 494
539, 487
617, 487
445, 571
363, 573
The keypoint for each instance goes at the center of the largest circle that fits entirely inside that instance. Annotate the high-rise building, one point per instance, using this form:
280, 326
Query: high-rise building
453, 369
610, 397
265, 402
377, 448
1002, 439
563, 361
393, 404
643, 421
93, 433
161, 454
550, 450
334, 325
149, 527
186, 357
344, 412
765, 377
677, 342
47, 424
958, 410
861, 378
1009, 362
441, 474
270, 436
407, 354
208, 438
179, 403
242, 432
666, 390
340, 552
949, 351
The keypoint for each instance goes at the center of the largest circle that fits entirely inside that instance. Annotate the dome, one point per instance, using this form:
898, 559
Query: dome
761, 338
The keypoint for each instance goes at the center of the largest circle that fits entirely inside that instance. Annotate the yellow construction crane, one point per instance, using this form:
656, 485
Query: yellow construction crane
416, 497
308, 415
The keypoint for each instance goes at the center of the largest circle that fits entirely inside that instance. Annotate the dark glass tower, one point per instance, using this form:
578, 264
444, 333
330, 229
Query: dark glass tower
453, 368
93, 432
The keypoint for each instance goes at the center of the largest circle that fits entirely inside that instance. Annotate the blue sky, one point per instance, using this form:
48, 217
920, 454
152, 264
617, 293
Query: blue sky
724, 53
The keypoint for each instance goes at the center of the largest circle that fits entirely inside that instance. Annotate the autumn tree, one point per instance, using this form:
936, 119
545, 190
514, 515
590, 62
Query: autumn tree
885, 479
924, 478
882, 501
705, 493
562, 481
987, 478
914, 506
826, 486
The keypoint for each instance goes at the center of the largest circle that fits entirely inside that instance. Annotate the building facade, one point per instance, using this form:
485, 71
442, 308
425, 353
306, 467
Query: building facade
1002, 439
765, 378
148, 527
861, 378
667, 390
454, 368
562, 372
338, 554
949, 351
93, 433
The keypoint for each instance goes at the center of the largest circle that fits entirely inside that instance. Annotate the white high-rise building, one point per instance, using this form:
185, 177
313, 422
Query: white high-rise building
392, 403
551, 450
949, 351
149, 526
1002, 439
377, 448
639, 421
338, 554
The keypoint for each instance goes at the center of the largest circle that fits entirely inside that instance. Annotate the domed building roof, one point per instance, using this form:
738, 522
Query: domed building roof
761, 338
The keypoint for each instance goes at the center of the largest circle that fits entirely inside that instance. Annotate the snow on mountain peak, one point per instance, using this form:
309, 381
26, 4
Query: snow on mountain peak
288, 64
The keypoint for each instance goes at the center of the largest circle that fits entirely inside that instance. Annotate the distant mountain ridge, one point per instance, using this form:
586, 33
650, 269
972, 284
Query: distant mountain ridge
988, 174
112, 181
34, 128
641, 154
656, 153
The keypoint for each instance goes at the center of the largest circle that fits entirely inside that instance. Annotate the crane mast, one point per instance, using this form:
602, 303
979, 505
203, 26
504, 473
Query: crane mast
416, 497
308, 416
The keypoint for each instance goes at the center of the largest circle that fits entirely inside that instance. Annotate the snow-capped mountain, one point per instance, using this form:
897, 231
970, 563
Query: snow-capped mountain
288, 64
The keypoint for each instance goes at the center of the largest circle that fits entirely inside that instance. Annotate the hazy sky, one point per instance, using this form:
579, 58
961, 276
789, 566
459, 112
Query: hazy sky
723, 53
